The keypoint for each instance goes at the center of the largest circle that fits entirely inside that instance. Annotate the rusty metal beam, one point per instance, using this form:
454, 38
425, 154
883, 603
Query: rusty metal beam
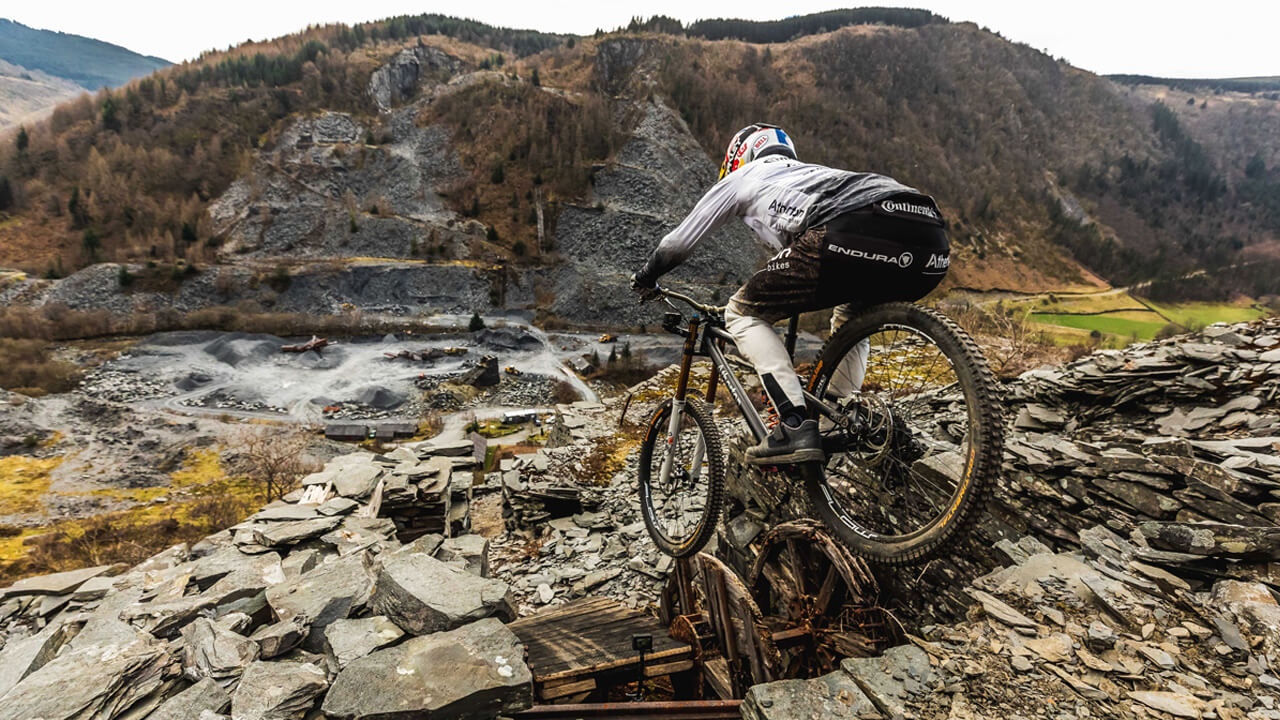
669, 710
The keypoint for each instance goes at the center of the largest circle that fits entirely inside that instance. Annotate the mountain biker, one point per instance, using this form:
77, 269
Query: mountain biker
844, 240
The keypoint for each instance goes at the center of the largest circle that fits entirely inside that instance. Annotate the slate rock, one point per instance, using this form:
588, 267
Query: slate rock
204, 696
285, 512
94, 588
352, 639
834, 695
280, 637
1176, 704
356, 481
211, 651
165, 619
357, 534
22, 656
55, 584
331, 591
284, 534
1216, 539
1001, 611
1055, 648
277, 691
891, 679
300, 562
472, 550
97, 681
424, 595
337, 505
476, 671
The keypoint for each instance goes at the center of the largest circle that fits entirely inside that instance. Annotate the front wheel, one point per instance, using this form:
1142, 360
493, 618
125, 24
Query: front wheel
917, 439
681, 478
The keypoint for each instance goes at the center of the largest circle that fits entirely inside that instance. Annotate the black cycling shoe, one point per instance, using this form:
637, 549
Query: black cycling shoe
788, 445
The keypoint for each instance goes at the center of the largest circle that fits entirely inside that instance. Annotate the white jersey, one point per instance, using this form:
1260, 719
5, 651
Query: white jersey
778, 198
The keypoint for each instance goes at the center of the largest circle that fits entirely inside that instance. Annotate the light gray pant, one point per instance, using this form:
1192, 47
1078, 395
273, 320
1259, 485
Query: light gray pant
760, 344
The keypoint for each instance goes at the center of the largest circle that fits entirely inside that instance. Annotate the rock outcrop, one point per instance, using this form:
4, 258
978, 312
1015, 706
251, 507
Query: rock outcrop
399, 78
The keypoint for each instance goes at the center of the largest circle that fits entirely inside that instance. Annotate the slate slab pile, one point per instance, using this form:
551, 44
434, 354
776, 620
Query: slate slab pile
1103, 632
283, 614
422, 489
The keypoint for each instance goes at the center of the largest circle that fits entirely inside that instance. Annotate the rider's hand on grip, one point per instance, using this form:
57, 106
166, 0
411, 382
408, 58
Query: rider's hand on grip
643, 287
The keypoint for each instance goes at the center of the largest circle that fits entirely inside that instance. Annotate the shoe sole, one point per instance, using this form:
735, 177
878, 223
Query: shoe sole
791, 458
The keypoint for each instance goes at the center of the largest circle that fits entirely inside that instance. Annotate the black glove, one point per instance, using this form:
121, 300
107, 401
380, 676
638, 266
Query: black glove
643, 286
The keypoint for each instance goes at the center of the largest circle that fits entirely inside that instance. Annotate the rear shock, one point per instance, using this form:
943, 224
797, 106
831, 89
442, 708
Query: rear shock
770, 411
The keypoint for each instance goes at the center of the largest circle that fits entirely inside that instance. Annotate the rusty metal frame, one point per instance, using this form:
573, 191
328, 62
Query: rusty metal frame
668, 710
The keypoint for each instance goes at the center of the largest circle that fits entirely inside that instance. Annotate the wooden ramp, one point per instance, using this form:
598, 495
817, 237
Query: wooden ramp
584, 646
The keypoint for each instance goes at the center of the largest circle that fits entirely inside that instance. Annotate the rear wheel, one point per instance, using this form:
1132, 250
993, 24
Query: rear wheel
917, 439
681, 510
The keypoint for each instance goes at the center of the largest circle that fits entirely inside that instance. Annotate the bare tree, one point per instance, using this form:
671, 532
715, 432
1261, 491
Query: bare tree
273, 456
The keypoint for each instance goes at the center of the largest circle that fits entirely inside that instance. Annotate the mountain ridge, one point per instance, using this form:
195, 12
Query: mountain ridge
88, 62
1048, 173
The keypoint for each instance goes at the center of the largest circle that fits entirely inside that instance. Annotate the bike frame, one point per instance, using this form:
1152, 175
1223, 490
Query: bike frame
705, 337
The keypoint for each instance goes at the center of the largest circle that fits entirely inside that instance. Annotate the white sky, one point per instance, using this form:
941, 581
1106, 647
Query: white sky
1226, 38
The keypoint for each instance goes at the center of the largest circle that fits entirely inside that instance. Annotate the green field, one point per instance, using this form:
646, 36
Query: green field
1105, 324
1197, 315
1130, 319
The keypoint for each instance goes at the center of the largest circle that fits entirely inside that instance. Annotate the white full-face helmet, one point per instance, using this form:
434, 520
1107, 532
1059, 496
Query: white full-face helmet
754, 142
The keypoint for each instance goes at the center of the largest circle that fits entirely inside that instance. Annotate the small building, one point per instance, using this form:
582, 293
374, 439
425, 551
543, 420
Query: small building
346, 432
520, 416
400, 430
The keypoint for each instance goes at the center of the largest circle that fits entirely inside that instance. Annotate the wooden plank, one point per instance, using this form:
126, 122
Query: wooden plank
567, 610
588, 637
716, 673
726, 622
824, 593
758, 671
666, 668
569, 688
674, 653
559, 642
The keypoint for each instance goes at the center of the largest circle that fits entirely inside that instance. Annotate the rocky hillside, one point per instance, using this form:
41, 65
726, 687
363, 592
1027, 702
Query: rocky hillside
562, 160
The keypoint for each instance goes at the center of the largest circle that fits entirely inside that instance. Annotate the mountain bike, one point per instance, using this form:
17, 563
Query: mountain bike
908, 414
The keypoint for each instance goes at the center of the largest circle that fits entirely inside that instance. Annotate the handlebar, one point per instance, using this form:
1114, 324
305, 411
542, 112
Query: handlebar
669, 295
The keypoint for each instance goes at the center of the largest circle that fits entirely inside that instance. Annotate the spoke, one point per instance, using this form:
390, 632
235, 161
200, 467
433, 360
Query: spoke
909, 384
921, 478
850, 478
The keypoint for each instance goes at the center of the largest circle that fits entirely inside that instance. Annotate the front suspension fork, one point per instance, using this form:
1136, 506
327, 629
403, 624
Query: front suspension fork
677, 412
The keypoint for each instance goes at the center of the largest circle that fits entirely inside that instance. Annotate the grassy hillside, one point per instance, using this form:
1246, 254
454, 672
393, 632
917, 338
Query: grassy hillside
87, 62
26, 94
1040, 167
